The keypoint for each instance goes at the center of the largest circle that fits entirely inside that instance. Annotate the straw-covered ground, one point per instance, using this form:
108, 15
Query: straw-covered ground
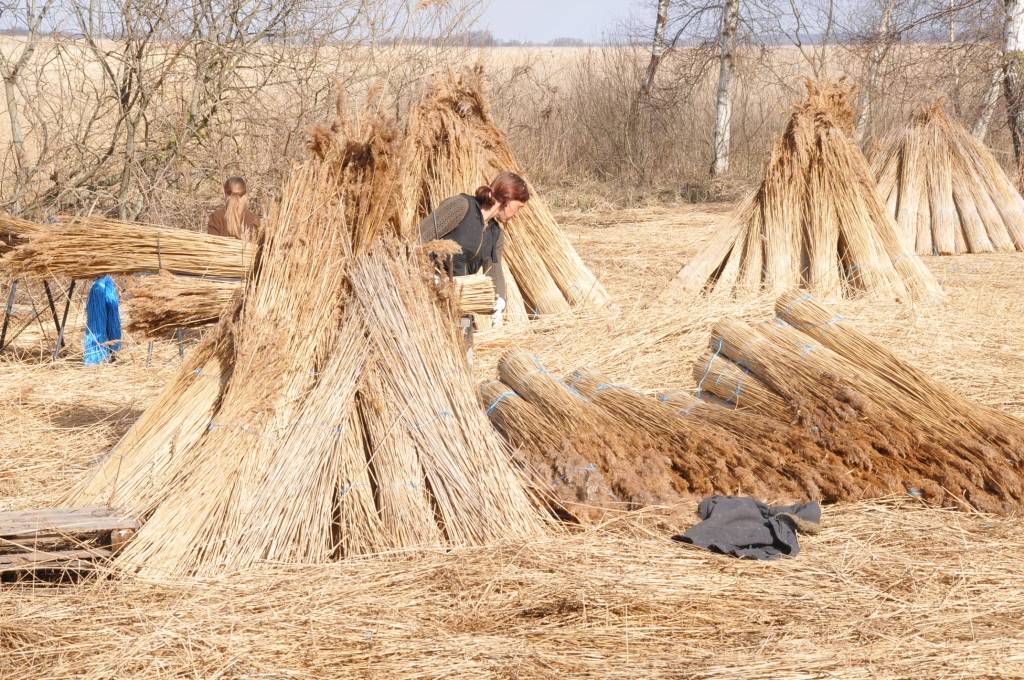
887, 589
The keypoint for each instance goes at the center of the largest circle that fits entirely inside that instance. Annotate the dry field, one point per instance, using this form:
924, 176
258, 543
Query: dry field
888, 589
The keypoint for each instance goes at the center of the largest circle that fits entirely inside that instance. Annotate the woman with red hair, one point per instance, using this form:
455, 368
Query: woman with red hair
474, 223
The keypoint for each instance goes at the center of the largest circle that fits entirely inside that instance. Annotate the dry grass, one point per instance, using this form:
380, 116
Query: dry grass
887, 589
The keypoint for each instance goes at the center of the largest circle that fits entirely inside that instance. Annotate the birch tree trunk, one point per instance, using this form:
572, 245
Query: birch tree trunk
988, 104
875, 59
1013, 78
658, 48
726, 86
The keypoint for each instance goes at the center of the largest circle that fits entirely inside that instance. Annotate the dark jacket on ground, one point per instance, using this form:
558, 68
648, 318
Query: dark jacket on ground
460, 219
744, 527
218, 224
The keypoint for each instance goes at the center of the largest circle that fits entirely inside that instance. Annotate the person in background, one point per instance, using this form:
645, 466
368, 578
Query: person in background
473, 222
233, 219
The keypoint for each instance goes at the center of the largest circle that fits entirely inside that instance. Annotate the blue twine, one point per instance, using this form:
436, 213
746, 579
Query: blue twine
497, 400
103, 322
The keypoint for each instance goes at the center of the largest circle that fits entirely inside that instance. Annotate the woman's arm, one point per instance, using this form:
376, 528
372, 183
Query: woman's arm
495, 270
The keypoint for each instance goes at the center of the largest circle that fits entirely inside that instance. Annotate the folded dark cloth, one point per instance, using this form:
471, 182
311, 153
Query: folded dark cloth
746, 528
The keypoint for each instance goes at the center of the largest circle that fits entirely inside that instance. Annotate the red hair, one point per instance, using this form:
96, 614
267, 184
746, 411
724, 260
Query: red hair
508, 186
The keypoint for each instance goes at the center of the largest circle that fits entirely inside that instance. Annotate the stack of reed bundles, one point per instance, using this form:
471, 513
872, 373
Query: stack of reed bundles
945, 189
458, 147
803, 406
331, 413
816, 221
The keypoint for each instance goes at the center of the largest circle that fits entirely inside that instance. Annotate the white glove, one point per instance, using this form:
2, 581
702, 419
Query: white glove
499, 307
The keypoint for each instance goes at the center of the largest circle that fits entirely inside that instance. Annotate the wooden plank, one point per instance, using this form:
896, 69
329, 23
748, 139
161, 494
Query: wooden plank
62, 521
65, 559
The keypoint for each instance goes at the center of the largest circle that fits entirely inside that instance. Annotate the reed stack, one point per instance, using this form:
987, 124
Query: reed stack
946, 190
331, 412
816, 222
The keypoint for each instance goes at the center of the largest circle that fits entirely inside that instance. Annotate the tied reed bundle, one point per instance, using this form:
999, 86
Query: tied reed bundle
459, 147
946, 190
93, 246
891, 427
474, 294
15, 231
344, 421
658, 450
163, 303
816, 221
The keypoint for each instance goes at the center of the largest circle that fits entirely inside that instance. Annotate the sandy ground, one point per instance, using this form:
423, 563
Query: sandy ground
889, 589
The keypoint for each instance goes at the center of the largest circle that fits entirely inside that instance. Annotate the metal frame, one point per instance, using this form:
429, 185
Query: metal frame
59, 323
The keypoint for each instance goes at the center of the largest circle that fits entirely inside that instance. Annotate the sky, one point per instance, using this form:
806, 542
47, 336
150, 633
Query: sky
543, 20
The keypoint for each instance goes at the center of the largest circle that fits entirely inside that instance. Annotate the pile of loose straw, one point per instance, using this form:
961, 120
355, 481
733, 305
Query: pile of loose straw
816, 221
886, 590
947, 192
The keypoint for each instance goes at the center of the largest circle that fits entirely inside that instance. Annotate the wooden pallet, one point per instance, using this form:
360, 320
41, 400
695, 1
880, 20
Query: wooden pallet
61, 538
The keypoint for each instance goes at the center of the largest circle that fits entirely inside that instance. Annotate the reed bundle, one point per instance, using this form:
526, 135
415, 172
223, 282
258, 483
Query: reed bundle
15, 231
892, 427
945, 189
736, 386
475, 294
816, 221
648, 450
163, 303
93, 246
344, 420
458, 146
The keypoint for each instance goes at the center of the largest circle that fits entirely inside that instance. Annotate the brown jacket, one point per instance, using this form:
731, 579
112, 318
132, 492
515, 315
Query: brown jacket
217, 224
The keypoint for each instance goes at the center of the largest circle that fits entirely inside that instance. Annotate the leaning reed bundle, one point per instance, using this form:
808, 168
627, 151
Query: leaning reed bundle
656, 450
92, 246
816, 221
474, 294
459, 147
945, 189
345, 420
944, 408
163, 303
865, 413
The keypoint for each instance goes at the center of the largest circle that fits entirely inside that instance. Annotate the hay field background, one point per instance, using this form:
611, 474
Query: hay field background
888, 589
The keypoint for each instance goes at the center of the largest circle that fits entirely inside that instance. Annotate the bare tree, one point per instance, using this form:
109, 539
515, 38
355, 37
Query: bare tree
988, 104
1013, 77
726, 86
12, 68
659, 45
882, 43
